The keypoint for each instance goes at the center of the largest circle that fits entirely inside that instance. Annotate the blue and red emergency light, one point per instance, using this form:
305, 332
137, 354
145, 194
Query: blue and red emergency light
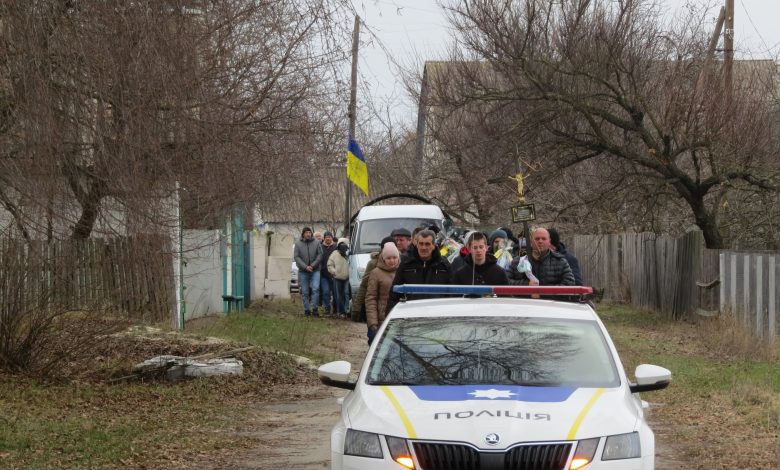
444, 289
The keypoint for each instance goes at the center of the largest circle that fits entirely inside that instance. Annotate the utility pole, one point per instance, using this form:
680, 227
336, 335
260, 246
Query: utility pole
352, 116
705, 69
422, 116
716, 34
728, 44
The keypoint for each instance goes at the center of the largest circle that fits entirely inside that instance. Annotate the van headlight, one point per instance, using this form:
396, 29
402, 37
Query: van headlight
362, 444
622, 446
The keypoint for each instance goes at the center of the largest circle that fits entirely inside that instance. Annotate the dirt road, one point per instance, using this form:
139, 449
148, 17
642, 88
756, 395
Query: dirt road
295, 434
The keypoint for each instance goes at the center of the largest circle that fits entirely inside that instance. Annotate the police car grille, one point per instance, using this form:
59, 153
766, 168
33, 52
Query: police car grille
444, 456
438, 456
537, 456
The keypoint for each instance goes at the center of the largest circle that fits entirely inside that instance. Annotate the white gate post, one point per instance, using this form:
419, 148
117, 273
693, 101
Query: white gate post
746, 290
772, 300
759, 296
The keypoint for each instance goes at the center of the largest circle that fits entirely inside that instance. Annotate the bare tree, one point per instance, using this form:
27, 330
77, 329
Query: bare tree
107, 105
112, 111
607, 89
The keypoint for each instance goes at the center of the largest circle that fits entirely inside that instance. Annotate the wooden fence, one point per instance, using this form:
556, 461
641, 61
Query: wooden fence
749, 289
650, 271
126, 276
679, 276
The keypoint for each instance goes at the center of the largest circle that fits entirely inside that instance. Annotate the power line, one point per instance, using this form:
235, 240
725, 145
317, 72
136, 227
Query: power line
768, 49
400, 8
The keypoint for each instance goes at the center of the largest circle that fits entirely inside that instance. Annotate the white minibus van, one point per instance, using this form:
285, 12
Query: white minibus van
373, 223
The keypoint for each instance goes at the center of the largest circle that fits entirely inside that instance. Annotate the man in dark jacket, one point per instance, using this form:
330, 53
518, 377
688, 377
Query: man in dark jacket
557, 245
548, 267
424, 265
479, 268
308, 256
326, 280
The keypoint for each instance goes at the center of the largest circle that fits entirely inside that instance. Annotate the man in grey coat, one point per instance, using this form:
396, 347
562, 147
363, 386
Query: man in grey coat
548, 267
308, 256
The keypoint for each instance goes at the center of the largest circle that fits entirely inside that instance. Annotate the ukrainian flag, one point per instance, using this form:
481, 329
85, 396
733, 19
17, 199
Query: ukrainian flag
357, 171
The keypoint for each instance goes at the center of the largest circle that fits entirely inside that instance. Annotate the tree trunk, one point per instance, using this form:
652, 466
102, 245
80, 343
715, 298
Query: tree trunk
708, 223
84, 226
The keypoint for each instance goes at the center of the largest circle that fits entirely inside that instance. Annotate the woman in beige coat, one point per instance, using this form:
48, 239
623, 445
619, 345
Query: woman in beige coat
339, 269
380, 281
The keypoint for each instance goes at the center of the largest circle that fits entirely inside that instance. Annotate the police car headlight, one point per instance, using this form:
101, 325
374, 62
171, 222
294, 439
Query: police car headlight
622, 446
362, 444
399, 451
586, 450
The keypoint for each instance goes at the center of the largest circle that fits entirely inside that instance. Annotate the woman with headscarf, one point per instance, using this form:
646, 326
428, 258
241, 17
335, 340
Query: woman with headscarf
380, 281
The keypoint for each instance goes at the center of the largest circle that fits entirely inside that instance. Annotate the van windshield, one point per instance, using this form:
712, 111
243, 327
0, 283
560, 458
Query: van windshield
371, 232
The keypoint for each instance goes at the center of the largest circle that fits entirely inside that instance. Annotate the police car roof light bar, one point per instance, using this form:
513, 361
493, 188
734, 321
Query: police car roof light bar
443, 289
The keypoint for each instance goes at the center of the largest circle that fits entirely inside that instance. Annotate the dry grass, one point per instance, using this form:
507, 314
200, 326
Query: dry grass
80, 419
726, 336
723, 407
721, 411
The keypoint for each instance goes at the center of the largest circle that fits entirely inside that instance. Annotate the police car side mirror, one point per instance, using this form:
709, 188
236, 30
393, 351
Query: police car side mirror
650, 377
336, 374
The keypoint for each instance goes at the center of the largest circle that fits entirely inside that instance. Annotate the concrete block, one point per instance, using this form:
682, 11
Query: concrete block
278, 268
282, 244
277, 289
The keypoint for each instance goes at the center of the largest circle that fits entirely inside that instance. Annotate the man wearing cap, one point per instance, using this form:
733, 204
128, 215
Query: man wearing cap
402, 238
326, 280
308, 256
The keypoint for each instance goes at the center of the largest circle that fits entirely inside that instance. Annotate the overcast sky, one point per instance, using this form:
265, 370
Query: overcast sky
397, 31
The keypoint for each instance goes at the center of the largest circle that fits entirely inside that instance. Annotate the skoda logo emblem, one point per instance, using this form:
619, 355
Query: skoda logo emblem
492, 439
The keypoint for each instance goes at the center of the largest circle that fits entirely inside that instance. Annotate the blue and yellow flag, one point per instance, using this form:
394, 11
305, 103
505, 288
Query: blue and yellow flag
357, 171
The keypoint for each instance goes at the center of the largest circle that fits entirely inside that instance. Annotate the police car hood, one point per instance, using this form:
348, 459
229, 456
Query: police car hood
468, 413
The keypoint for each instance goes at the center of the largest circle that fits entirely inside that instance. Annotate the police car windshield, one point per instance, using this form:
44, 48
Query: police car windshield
490, 350
371, 232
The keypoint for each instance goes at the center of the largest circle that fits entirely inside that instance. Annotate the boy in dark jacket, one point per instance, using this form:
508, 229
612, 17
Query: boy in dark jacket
480, 267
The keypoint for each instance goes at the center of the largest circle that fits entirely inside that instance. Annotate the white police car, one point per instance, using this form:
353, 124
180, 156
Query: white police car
492, 383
